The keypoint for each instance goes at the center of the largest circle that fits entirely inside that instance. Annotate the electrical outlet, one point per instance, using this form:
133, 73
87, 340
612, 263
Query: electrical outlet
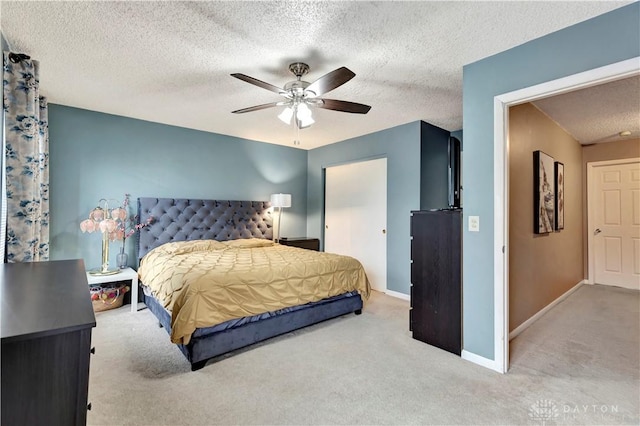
474, 223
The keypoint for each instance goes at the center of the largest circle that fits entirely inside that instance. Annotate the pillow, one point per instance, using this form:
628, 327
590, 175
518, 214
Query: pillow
249, 243
183, 247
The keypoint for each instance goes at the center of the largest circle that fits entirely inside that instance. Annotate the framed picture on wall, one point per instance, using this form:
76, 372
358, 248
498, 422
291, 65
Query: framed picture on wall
544, 200
559, 190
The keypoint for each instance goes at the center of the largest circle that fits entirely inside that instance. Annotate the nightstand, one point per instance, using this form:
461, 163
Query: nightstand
305, 243
123, 275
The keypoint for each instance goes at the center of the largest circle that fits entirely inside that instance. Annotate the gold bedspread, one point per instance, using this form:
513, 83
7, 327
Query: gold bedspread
207, 282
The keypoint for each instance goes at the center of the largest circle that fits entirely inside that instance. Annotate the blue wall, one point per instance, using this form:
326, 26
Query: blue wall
95, 155
603, 40
401, 146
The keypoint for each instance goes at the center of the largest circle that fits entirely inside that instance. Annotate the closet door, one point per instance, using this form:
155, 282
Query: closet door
356, 216
614, 223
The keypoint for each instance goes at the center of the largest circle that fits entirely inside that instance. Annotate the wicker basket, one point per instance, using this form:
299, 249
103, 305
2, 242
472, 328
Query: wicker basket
105, 297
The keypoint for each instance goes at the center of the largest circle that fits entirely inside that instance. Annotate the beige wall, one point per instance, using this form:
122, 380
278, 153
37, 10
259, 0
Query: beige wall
629, 148
541, 267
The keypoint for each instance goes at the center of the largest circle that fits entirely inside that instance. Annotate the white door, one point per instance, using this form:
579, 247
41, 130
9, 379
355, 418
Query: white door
614, 223
356, 216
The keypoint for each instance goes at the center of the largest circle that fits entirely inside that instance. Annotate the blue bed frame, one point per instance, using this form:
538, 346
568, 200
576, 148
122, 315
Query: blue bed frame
191, 219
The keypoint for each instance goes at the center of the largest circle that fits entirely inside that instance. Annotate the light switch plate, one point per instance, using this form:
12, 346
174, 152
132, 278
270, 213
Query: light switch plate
474, 223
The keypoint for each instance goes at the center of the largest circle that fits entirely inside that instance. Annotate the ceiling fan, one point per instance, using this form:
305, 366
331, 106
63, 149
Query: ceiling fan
300, 95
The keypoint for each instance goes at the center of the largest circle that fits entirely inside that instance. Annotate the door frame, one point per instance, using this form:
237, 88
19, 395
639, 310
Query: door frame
591, 166
501, 104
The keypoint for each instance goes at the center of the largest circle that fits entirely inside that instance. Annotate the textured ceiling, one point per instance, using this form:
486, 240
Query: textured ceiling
598, 114
169, 62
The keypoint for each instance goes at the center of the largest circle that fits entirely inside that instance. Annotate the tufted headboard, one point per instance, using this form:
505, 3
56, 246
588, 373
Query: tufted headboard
184, 219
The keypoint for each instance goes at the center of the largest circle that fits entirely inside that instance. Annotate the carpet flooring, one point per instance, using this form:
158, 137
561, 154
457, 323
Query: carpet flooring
579, 364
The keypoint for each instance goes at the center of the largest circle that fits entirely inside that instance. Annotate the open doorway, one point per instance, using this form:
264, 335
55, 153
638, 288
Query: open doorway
502, 104
545, 249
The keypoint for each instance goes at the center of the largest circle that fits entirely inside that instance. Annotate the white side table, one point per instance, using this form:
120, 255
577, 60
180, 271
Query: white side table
124, 274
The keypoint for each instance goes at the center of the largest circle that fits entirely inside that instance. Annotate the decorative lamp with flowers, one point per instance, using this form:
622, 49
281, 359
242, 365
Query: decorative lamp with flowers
115, 224
100, 219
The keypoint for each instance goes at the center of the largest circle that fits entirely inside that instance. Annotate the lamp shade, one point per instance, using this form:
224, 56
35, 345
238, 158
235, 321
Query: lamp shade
286, 115
303, 116
281, 200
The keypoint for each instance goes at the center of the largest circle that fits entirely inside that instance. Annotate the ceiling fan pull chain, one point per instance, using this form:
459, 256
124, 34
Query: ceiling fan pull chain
296, 141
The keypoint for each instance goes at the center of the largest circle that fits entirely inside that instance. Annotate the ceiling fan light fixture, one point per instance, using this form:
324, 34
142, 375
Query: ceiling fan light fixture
303, 116
305, 122
303, 111
300, 94
286, 115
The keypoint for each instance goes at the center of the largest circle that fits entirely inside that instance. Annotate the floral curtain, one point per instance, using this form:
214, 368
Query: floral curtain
26, 161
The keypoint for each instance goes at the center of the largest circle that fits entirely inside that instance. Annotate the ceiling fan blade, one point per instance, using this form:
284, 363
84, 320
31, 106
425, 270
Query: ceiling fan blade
256, 108
344, 106
330, 81
258, 83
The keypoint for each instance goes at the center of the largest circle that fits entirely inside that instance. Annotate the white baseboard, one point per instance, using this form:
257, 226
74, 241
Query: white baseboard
522, 327
398, 295
481, 361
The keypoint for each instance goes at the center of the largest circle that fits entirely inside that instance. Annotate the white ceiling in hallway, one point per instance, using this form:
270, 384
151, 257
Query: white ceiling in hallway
598, 114
170, 62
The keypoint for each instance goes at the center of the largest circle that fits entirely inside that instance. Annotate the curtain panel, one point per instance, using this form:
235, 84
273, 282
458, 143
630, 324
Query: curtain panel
26, 161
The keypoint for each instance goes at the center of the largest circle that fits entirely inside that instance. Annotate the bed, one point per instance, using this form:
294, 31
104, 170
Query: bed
297, 287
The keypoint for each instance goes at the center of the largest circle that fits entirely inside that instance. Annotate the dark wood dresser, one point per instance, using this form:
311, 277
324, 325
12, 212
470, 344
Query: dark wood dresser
46, 325
436, 278
305, 243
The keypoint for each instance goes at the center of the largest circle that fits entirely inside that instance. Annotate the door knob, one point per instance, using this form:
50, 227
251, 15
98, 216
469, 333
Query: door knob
384, 231
597, 231
326, 226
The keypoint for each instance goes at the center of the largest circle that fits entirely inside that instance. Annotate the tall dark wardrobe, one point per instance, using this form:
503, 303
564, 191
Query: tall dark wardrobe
436, 291
436, 244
